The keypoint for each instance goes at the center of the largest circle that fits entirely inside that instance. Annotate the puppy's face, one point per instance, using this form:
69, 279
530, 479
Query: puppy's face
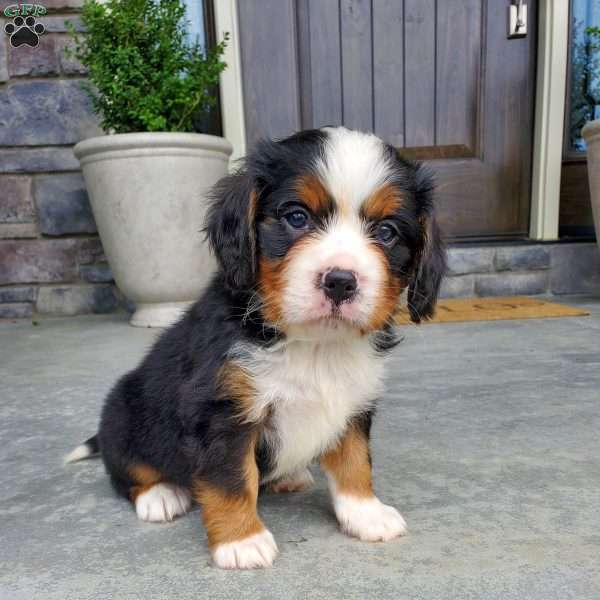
334, 243
332, 226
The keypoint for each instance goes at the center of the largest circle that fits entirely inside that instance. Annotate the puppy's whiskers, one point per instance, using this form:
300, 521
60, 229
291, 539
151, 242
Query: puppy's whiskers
255, 304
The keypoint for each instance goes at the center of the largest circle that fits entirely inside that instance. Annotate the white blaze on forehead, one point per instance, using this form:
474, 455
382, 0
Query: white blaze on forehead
354, 166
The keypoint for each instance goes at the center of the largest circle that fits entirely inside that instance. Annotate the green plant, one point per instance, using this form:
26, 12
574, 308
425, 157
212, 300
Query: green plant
143, 73
594, 33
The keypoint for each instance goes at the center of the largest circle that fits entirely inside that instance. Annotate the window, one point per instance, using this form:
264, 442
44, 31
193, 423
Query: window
194, 12
584, 73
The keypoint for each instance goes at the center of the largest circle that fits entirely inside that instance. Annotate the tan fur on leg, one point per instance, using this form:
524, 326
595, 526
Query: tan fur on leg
237, 537
359, 512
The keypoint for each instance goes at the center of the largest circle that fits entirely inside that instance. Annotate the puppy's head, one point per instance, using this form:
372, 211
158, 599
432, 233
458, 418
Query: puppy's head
329, 227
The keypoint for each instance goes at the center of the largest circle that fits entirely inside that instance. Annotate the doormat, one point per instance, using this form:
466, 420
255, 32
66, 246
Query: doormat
454, 310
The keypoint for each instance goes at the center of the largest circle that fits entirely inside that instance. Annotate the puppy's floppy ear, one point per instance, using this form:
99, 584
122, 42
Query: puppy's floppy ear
429, 265
230, 229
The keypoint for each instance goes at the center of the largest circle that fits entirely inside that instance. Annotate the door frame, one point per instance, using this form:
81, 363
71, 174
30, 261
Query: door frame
232, 97
550, 97
551, 82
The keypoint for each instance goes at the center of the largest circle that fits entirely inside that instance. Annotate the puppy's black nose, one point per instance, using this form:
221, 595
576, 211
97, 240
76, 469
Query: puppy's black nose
339, 285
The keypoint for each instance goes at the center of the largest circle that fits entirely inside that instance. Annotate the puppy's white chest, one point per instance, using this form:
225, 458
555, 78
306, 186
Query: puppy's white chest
312, 390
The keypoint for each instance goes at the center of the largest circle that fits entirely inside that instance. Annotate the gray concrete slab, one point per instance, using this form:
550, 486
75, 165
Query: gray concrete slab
487, 441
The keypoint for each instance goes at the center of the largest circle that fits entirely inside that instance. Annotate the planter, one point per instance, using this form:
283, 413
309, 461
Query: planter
148, 196
591, 134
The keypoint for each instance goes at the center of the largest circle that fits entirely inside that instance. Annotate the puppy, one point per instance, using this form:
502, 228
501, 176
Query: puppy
280, 361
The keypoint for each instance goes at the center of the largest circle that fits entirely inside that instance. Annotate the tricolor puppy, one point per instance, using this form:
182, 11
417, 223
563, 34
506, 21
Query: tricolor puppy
280, 363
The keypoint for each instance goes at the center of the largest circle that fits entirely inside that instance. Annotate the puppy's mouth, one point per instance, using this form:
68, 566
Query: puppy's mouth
340, 312
337, 323
333, 314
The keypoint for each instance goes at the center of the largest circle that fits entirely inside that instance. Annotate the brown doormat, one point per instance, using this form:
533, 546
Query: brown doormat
495, 309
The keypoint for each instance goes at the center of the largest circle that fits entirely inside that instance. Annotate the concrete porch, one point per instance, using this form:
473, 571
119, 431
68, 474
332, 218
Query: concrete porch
487, 441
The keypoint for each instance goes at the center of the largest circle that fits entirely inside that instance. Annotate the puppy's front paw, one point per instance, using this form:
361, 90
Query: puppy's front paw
254, 552
368, 518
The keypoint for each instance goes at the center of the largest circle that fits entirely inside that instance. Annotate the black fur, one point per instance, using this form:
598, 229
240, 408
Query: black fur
364, 422
386, 339
429, 261
168, 413
230, 229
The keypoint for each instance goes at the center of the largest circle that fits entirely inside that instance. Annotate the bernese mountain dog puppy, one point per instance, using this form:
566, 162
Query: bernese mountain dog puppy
279, 363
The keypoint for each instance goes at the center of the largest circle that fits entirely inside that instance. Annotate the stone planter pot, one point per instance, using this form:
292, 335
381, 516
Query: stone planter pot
148, 196
591, 134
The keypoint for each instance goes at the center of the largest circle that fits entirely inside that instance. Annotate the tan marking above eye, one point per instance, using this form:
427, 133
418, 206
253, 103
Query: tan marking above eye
314, 195
384, 203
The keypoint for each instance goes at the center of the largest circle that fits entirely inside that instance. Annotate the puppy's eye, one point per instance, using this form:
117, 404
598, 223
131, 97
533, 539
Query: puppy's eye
297, 219
386, 233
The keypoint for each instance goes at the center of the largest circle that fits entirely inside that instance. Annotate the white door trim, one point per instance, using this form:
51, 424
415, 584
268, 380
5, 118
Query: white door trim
232, 97
551, 85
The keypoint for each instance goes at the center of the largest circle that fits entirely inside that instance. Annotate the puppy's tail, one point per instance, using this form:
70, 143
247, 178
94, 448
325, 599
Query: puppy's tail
88, 449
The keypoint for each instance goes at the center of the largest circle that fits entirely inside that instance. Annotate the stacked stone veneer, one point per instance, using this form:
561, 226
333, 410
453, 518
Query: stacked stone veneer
51, 259
523, 270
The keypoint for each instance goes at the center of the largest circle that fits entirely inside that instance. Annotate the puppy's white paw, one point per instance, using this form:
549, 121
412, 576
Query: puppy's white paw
163, 502
368, 518
254, 552
298, 481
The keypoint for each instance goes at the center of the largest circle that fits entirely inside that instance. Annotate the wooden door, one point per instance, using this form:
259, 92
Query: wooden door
437, 78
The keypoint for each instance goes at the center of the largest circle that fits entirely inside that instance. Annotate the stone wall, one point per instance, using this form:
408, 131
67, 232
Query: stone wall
51, 259
530, 269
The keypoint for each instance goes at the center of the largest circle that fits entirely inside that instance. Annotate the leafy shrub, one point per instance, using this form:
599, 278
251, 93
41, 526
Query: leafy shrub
594, 33
144, 74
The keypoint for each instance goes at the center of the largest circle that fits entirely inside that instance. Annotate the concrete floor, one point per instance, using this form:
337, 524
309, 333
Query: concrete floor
488, 441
